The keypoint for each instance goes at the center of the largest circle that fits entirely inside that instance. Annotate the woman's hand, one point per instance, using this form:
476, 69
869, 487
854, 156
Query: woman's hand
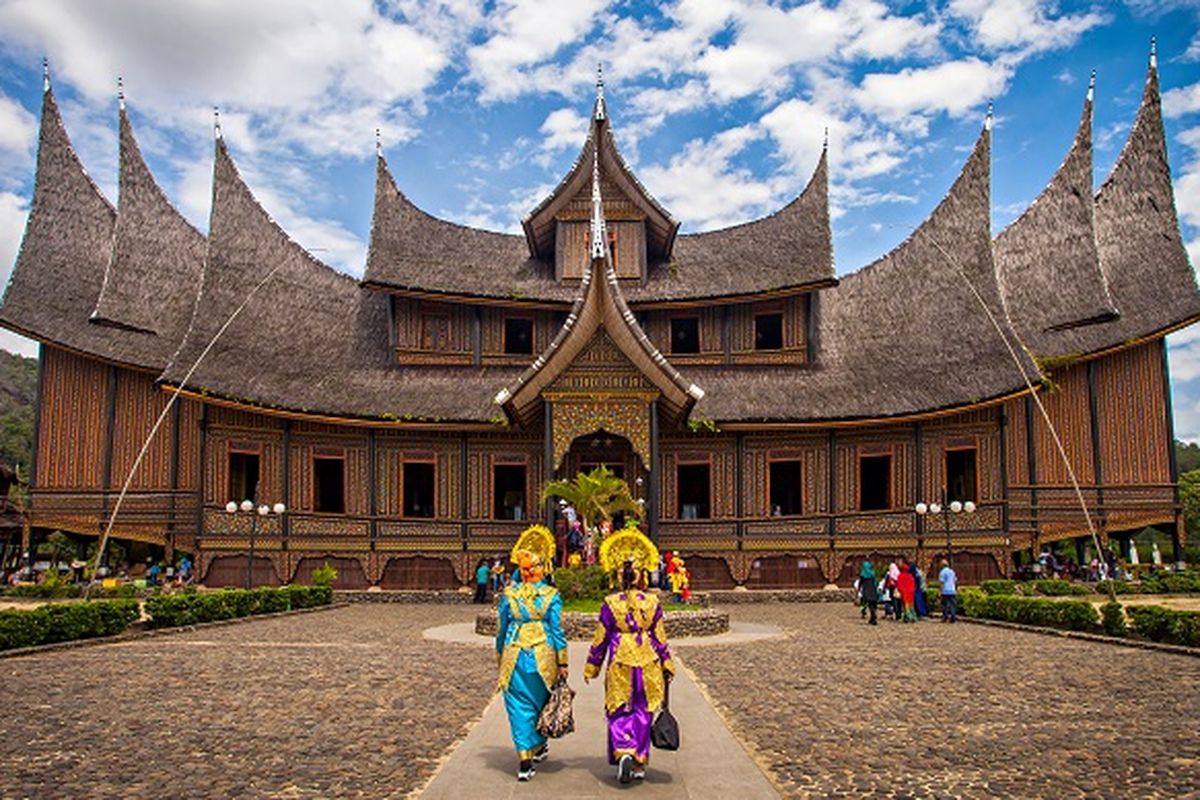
562, 673
586, 679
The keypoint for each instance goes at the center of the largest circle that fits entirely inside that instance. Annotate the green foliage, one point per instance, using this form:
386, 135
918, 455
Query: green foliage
18, 388
1160, 624
1051, 587
1119, 587
1189, 499
999, 586
702, 425
1187, 456
65, 622
324, 575
190, 608
581, 583
58, 548
596, 495
933, 598
1112, 618
1171, 582
52, 587
1071, 615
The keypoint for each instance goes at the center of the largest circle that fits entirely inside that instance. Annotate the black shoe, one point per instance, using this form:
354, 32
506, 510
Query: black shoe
526, 770
542, 753
625, 769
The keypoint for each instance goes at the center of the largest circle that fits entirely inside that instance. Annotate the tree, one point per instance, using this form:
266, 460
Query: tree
58, 548
1189, 498
596, 495
1187, 456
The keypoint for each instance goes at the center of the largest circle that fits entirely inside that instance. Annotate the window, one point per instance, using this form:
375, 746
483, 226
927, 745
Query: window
960, 475
435, 331
768, 331
508, 491
243, 476
785, 488
874, 483
518, 335
693, 491
418, 490
329, 484
685, 335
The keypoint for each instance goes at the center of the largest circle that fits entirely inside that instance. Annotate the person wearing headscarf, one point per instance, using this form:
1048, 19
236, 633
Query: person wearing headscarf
906, 585
632, 637
922, 603
532, 650
868, 589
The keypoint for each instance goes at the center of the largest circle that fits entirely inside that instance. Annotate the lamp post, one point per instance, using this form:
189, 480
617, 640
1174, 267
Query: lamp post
247, 507
955, 507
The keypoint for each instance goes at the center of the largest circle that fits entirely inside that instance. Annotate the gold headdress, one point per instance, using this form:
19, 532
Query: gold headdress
537, 541
628, 544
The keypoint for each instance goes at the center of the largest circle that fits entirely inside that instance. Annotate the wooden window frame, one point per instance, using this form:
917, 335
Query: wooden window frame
770, 312
776, 459
505, 460
246, 449
328, 454
424, 315
959, 448
533, 344
419, 459
694, 461
671, 334
875, 452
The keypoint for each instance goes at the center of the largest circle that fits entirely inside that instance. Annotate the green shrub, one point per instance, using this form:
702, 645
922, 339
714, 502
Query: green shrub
999, 586
1166, 625
1071, 615
309, 596
191, 608
51, 589
1119, 587
1112, 617
1171, 582
1053, 587
933, 598
582, 583
65, 622
324, 575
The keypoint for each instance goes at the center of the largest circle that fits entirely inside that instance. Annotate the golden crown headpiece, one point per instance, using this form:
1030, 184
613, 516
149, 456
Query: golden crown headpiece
538, 542
628, 544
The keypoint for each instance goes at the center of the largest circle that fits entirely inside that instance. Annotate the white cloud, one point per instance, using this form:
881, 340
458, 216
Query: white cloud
18, 128
563, 129
1025, 26
1181, 101
953, 87
14, 209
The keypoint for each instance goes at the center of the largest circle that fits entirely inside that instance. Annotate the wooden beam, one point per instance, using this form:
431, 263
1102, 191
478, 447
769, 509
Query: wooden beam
1177, 533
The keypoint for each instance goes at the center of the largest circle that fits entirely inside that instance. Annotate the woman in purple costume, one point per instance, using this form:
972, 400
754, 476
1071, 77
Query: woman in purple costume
632, 636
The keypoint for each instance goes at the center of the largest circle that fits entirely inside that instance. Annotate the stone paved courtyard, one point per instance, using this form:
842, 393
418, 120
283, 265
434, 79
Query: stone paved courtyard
355, 703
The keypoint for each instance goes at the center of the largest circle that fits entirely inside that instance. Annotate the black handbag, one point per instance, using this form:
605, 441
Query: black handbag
664, 733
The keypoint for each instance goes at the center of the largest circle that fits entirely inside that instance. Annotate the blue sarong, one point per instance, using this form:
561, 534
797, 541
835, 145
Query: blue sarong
524, 700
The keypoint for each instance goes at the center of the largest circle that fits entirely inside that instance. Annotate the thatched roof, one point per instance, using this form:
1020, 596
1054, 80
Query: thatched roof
66, 249
1048, 264
153, 274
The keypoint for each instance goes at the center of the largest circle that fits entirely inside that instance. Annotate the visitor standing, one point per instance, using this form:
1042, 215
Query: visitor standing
949, 592
482, 573
632, 637
906, 585
868, 590
533, 653
919, 577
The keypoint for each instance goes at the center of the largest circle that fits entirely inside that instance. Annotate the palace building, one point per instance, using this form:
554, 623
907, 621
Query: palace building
779, 422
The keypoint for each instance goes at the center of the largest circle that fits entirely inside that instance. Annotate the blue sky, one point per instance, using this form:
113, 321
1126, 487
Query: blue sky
719, 105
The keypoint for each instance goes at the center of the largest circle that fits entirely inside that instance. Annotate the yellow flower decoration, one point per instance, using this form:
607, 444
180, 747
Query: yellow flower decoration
537, 541
626, 544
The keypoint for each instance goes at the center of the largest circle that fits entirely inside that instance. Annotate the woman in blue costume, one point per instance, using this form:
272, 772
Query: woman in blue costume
532, 650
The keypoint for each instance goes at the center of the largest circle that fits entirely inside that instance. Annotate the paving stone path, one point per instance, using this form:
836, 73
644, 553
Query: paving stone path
356, 702
842, 709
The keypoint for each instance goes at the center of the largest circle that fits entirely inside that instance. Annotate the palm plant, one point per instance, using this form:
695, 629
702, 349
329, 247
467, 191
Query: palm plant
596, 495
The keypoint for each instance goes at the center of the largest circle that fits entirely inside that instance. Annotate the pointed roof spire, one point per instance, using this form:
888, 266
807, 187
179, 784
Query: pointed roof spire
599, 235
825, 141
120, 93
216, 123
1091, 94
988, 120
1153, 52
378, 144
45, 74
599, 112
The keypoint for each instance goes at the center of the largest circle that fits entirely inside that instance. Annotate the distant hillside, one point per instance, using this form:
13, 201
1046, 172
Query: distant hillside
18, 387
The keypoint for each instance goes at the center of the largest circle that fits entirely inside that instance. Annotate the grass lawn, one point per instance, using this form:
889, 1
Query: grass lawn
593, 606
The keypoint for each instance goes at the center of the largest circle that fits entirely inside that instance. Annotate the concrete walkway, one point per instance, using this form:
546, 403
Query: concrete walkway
710, 764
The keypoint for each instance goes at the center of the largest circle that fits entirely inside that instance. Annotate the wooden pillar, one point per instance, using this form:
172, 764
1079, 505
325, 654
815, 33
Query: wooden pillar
27, 528
477, 336
372, 489
1031, 456
831, 489
919, 481
1097, 461
1005, 525
726, 345
285, 524
176, 416
654, 489
462, 488
811, 302
200, 465
548, 462
739, 505
1178, 533
110, 422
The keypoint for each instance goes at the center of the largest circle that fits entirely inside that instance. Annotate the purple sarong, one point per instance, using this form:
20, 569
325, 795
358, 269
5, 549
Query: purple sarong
629, 725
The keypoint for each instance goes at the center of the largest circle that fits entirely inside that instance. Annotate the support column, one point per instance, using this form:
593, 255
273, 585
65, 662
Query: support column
726, 345
919, 482
654, 488
1005, 524
27, 528
738, 498
285, 524
176, 416
200, 483
548, 463
477, 336
1031, 456
1178, 534
462, 488
110, 422
372, 488
1097, 461
831, 501
811, 301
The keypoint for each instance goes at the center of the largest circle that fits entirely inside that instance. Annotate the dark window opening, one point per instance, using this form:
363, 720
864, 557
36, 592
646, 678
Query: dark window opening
329, 485
435, 331
508, 491
518, 336
768, 332
418, 490
685, 335
693, 491
243, 477
785, 488
875, 483
960, 475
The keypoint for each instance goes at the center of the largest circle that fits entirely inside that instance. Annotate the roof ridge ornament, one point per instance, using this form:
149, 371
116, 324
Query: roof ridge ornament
45, 74
378, 144
216, 123
120, 93
599, 113
825, 142
988, 120
1091, 93
599, 236
1153, 52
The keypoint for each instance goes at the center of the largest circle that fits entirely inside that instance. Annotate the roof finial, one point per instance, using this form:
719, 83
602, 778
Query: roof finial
600, 112
45, 74
378, 144
825, 142
120, 93
1091, 95
216, 123
599, 238
1153, 52
987, 121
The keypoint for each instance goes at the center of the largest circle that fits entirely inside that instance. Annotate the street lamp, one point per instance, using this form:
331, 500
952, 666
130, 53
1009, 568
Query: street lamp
264, 510
956, 507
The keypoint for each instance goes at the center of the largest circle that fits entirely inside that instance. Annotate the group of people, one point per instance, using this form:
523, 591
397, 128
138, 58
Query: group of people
901, 591
489, 575
630, 636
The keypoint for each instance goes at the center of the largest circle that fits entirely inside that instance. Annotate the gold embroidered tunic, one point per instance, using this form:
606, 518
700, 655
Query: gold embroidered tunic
530, 628
632, 636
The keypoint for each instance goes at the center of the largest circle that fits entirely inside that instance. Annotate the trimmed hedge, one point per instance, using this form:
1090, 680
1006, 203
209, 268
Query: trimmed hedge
1171, 582
1112, 619
582, 583
1053, 587
65, 622
1071, 615
1160, 624
45, 591
999, 586
190, 608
